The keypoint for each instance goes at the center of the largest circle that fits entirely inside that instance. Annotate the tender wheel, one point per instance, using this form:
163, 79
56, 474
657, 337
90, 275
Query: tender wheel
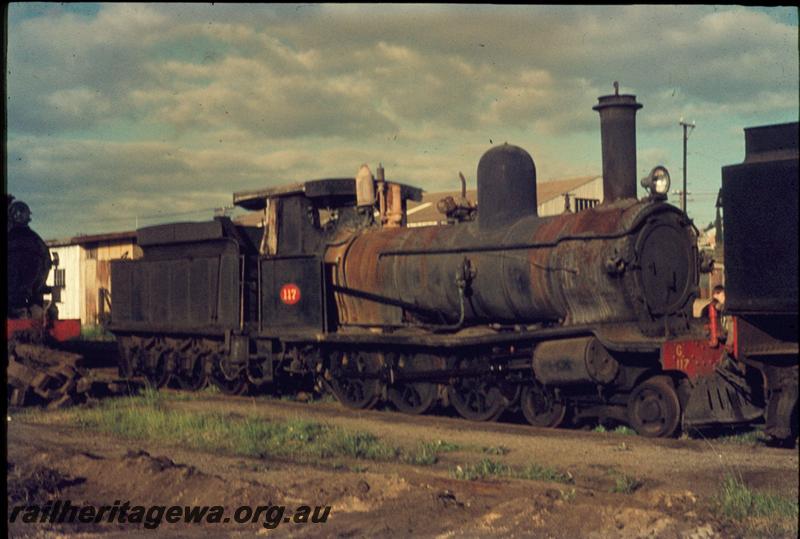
654, 409
476, 398
415, 398
236, 385
348, 384
541, 407
158, 375
196, 379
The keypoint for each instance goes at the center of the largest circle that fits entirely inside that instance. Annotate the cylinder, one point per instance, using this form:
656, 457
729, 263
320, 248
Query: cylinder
574, 361
618, 139
506, 186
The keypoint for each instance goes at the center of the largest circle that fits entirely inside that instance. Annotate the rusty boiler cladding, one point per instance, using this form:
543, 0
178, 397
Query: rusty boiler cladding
618, 261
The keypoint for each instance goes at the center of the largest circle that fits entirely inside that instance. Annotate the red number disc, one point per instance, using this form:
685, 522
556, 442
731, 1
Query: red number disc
290, 294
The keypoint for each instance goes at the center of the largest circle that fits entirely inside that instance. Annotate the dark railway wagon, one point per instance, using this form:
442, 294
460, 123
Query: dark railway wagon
578, 315
759, 198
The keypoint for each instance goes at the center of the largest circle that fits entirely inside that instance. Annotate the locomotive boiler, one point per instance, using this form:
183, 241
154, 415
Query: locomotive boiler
559, 317
624, 261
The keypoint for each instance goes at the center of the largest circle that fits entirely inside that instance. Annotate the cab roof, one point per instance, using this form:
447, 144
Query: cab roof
330, 192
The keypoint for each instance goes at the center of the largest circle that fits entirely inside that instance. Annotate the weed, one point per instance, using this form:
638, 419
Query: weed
756, 513
427, 453
625, 484
445, 447
487, 467
568, 495
484, 468
621, 429
737, 501
496, 450
542, 473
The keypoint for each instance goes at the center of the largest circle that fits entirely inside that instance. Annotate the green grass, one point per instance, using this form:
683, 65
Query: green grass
182, 396
491, 468
149, 417
756, 513
95, 333
750, 437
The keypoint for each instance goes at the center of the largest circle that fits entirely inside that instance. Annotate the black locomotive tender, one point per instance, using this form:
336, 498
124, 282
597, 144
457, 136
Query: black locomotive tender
553, 315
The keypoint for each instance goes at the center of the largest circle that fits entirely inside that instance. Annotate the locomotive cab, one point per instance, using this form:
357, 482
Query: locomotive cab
302, 219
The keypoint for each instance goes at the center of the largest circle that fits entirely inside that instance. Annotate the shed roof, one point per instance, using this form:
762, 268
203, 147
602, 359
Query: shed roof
128, 235
425, 211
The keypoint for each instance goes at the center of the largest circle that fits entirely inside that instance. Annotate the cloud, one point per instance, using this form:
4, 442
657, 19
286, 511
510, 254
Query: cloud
273, 71
165, 106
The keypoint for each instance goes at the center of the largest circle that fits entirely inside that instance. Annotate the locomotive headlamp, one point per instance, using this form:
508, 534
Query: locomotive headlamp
657, 182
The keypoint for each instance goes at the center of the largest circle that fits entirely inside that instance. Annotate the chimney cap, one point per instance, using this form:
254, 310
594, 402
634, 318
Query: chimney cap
617, 100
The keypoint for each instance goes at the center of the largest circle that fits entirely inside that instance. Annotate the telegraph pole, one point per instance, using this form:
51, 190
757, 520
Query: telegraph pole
686, 128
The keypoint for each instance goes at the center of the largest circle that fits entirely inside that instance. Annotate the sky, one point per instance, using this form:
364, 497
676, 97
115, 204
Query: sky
126, 115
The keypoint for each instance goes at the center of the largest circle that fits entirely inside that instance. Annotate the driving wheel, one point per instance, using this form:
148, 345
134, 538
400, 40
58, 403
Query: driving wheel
354, 379
541, 407
654, 409
415, 397
477, 398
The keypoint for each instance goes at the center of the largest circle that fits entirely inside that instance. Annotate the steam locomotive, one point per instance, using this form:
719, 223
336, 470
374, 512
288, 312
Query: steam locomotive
28, 263
578, 315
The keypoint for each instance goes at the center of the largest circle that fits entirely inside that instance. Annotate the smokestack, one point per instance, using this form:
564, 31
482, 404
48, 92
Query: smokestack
618, 134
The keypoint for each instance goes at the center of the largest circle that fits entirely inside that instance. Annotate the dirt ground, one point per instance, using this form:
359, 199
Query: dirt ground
679, 479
